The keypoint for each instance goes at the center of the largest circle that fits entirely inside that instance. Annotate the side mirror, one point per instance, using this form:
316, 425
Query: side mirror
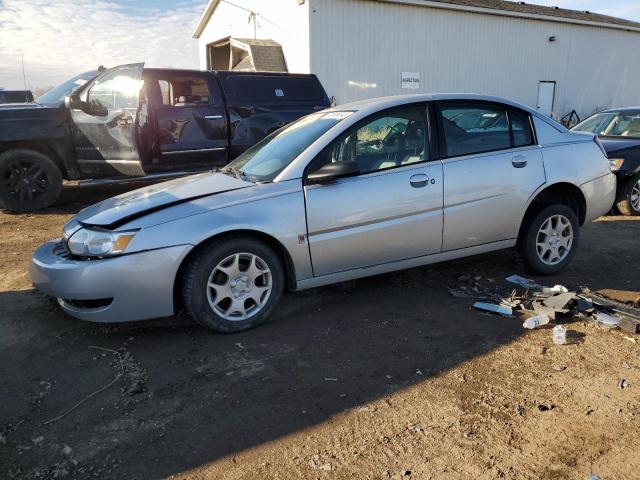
73, 101
332, 171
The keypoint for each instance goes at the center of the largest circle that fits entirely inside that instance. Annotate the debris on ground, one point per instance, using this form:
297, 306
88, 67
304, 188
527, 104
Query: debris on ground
559, 335
541, 305
492, 307
622, 384
535, 322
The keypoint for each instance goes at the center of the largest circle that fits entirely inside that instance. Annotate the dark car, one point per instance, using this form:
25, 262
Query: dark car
131, 121
16, 96
619, 133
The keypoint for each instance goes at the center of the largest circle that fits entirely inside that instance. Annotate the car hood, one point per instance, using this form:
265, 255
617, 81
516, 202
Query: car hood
121, 209
614, 144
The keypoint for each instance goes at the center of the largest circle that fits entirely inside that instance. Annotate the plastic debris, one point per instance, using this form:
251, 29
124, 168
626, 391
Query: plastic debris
559, 335
492, 307
606, 319
622, 384
524, 282
535, 322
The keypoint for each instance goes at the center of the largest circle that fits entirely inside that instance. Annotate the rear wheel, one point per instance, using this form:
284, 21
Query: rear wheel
29, 180
630, 197
549, 239
233, 284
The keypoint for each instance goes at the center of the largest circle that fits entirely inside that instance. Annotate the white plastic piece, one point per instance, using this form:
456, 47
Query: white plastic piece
535, 322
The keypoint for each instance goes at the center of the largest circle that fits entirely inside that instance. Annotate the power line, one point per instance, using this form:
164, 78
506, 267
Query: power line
255, 14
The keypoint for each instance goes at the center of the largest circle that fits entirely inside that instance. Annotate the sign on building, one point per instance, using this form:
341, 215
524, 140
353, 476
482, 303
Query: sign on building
411, 80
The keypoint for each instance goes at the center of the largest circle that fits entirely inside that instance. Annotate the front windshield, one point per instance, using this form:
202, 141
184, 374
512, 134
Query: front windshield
55, 96
267, 158
612, 125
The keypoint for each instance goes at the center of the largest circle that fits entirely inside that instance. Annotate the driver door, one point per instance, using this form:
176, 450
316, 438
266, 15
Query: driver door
107, 121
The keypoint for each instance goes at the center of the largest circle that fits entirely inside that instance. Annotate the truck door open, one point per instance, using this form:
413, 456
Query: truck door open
108, 117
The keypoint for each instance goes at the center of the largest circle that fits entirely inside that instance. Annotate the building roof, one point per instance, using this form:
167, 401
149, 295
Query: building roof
532, 9
495, 7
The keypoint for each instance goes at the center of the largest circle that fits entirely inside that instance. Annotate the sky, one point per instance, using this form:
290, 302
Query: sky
60, 38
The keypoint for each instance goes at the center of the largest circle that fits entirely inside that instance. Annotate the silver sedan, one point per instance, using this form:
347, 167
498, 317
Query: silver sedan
356, 190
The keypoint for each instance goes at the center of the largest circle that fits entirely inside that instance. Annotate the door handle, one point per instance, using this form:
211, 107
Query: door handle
519, 161
419, 180
213, 117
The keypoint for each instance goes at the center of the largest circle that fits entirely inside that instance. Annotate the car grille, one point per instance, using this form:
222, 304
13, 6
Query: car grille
60, 250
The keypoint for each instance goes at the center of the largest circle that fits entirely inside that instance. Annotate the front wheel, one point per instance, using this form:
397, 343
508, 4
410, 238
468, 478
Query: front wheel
29, 180
630, 198
233, 284
549, 239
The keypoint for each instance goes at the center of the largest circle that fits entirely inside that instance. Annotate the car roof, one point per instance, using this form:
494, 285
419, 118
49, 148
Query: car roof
373, 105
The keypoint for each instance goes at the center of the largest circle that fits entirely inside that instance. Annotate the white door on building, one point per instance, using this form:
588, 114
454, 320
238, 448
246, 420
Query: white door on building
546, 93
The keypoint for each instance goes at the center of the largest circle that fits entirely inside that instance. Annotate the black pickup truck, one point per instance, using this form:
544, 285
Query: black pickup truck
135, 121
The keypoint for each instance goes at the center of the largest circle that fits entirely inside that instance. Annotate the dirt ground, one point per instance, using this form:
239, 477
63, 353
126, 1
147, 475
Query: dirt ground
385, 377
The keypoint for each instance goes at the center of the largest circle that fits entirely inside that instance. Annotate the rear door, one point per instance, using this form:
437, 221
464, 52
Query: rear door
491, 166
189, 111
106, 121
391, 211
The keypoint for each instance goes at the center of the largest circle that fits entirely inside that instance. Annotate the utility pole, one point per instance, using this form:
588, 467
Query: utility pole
24, 78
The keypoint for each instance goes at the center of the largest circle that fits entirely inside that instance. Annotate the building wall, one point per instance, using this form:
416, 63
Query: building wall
360, 47
284, 21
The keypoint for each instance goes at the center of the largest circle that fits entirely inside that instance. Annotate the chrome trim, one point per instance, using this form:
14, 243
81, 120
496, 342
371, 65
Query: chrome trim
173, 152
213, 117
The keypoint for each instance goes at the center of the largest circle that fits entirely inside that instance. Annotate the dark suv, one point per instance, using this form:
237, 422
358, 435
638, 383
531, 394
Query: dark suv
135, 121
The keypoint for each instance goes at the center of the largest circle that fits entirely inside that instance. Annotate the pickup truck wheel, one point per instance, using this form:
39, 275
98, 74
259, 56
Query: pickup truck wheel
549, 239
630, 194
233, 284
29, 180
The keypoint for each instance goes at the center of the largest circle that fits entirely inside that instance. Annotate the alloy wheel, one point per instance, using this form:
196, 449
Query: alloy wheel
635, 196
24, 180
554, 239
239, 286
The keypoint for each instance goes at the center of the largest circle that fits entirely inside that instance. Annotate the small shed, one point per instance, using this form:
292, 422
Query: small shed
246, 54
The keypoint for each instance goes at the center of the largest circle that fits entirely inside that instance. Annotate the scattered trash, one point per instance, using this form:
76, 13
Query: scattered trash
491, 307
604, 319
630, 339
626, 365
524, 282
559, 367
560, 302
541, 350
622, 384
415, 428
535, 322
559, 335
593, 477
419, 372
545, 407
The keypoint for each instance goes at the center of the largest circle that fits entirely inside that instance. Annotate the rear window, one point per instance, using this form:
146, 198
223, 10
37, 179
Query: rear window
260, 89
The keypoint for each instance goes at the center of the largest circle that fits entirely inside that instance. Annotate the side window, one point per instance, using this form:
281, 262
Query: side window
184, 91
474, 128
387, 140
115, 90
521, 127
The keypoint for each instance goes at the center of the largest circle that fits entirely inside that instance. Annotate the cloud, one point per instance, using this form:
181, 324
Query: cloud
61, 38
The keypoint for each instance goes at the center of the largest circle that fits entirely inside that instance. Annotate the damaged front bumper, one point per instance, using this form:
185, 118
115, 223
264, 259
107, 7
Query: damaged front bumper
136, 286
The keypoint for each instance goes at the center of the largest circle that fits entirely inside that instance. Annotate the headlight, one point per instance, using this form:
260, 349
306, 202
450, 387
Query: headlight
96, 243
615, 164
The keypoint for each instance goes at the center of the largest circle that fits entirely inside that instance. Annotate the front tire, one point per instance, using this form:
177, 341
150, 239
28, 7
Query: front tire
630, 197
549, 239
29, 180
233, 284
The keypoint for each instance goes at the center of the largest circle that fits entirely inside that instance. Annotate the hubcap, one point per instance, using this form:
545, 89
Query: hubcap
24, 180
635, 196
554, 239
239, 286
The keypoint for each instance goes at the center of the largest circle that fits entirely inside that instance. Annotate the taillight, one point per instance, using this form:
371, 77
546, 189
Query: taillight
604, 152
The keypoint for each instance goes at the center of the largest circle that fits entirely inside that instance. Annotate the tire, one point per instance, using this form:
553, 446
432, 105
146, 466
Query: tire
29, 180
630, 197
559, 251
215, 307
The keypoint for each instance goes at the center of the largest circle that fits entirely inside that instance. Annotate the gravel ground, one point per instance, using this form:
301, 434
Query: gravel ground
385, 377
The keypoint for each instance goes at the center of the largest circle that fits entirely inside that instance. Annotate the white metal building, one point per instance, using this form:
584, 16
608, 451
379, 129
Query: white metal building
553, 59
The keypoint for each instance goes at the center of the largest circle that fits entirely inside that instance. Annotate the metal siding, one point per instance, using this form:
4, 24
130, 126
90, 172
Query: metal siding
358, 49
